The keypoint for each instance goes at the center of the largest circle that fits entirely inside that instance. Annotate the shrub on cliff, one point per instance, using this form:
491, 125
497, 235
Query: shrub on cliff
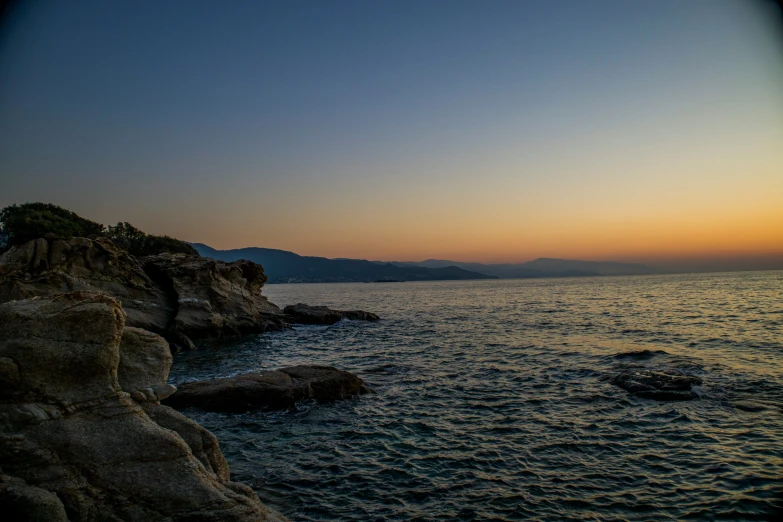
22, 223
137, 243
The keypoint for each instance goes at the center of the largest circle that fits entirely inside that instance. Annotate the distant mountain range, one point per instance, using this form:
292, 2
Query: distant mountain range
543, 267
282, 266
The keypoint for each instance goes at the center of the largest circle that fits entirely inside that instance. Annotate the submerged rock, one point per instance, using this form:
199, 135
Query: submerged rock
665, 385
268, 390
74, 446
640, 355
306, 314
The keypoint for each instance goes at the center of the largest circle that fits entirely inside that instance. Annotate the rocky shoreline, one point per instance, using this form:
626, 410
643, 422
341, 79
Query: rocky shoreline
87, 333
75, 445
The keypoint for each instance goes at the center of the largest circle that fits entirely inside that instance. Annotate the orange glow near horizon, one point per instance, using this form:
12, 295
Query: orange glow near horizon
607, 199
613, 134
667, 209
704, 236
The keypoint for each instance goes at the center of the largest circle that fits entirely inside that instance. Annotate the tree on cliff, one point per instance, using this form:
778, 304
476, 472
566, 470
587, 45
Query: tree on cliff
137, 243
22, 223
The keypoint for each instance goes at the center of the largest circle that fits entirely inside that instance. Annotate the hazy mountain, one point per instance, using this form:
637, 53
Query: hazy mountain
542, 267
282, 266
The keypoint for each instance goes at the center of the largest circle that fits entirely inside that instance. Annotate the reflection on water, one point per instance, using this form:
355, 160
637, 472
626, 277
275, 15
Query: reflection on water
492, 402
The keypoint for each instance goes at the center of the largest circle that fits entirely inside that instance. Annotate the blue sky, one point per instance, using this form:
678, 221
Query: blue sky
492, 130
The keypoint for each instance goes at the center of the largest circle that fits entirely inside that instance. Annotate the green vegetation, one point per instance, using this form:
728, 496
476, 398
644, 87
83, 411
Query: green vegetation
137, 243
22, 223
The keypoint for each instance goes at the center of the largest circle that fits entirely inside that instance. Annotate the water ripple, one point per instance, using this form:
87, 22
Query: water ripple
493, 402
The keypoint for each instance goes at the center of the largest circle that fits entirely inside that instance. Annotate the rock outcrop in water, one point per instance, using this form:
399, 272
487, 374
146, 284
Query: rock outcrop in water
663, 385
181, 297
215, 298
640, 355
75, 447
268, 390
306, 314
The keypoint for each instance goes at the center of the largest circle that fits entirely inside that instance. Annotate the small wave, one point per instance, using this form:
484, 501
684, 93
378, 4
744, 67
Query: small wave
750, 406
497, 400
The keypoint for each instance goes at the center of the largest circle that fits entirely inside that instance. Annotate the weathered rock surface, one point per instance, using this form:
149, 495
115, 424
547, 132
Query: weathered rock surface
215, 298
181, 297
21, 502
268, 390
51, 266
665, 385
72, 444
306, 314
145, 360
202, 442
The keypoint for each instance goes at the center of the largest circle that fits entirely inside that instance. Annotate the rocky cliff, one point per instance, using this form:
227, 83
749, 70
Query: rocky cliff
181, 297
82, 434
214, 298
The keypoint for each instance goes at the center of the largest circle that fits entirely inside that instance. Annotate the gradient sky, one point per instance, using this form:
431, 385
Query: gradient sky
475, 131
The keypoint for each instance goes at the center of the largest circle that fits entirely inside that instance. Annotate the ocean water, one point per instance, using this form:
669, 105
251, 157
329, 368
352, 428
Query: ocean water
490, 402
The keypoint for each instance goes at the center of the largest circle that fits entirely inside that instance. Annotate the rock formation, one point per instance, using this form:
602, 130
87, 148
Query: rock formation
75, 446
52, 266
305, 314
664, 385
175, 295
215, 298
268, 390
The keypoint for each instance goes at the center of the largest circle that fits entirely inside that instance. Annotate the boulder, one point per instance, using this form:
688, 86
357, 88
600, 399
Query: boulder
268, 390
65, 347
305, 314
664, 385
214, 298
72, 442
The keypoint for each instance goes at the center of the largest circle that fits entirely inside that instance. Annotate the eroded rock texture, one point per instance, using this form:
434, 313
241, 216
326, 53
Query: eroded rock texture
73, 444
52, 266
215, 298
179, 296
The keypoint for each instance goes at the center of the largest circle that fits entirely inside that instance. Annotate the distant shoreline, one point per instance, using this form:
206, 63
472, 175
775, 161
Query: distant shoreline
529, 278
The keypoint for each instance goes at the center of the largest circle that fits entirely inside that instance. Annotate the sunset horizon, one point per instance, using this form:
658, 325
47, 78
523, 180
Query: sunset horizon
391, 260
495, 133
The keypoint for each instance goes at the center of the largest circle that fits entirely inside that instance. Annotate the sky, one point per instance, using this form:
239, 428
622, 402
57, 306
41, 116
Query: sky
491, 131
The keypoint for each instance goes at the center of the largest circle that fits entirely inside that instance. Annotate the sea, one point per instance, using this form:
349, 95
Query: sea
492, 402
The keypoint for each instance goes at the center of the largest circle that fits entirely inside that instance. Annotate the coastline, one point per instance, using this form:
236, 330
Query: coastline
86, 328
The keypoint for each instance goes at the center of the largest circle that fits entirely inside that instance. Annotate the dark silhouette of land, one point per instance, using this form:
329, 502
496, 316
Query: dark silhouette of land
543, 267
282, 266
